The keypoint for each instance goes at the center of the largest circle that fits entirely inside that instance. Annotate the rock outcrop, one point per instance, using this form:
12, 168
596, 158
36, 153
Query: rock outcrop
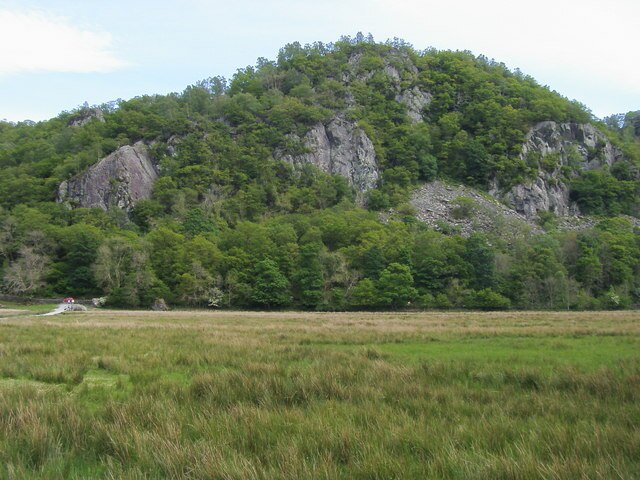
340, 147
415, 100
463, 210
75, 307
402, 73
85, 116
118, 180
159, 305
559, 151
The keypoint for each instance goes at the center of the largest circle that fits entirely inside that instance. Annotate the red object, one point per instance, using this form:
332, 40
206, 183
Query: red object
69, 300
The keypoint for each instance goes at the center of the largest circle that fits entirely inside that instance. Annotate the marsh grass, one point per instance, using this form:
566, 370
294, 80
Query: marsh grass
235, 395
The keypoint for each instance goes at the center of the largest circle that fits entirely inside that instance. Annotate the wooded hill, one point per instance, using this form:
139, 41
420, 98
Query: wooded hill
290, 186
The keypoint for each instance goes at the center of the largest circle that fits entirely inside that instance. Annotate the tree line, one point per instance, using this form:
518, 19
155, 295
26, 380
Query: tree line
337, 258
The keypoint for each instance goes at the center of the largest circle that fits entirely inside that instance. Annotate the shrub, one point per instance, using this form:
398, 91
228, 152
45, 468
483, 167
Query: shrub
487, 299
463, 207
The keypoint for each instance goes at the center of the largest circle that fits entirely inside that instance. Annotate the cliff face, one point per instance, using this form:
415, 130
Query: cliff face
401, 72
118, 180
85, 116
558, 151
340, 147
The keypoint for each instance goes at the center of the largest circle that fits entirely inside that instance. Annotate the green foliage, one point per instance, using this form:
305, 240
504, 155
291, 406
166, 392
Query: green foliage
229, 219
364, 295
270, 287
308, 280
481, 257
487, 299
599, 192
463, 207
395, 286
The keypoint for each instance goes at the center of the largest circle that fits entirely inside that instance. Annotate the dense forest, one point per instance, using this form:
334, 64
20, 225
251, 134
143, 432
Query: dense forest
230, 224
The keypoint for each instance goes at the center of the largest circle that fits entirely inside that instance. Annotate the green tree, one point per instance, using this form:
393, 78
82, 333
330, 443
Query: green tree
487, 299
114, 261
270, 287
196, 286
395, 286
166, 249
480, 256
72, 274
364, 295
308, 282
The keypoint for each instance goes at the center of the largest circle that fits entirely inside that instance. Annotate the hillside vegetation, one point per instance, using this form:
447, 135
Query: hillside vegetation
232, 221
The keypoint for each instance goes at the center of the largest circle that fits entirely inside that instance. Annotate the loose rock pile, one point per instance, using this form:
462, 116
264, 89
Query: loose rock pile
442, 207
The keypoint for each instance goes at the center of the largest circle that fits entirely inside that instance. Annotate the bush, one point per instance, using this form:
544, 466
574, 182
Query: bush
612, 300
487, 299
442, 301
377, 200
463, 207
426, 301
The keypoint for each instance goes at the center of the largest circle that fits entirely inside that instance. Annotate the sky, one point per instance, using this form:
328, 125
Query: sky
56, 55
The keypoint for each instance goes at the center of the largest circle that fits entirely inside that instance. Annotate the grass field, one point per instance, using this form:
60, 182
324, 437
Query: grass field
231, 395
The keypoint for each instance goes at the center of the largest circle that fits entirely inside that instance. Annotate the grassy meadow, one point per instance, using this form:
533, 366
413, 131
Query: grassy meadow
237, 395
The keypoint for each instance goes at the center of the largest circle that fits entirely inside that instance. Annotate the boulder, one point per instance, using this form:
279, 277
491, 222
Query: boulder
159, 305
118, 180
75, 307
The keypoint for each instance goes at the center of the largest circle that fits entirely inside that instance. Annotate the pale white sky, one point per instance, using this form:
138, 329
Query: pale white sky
57, 54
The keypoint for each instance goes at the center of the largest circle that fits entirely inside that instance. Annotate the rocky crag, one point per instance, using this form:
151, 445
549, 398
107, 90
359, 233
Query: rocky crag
118, 180
463, 210
401, 72
86, 115
558, 151
340, 147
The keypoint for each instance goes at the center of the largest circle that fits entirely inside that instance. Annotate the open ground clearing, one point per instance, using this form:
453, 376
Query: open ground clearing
228, 395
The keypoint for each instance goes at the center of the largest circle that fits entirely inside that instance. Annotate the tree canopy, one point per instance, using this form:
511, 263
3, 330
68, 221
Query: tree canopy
228, 219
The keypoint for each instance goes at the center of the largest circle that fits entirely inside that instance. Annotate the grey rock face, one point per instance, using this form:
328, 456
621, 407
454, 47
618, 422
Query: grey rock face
542, 195
340, 147
415, 100
85, 116
402, 72
574, 148
591, 145
118, 180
